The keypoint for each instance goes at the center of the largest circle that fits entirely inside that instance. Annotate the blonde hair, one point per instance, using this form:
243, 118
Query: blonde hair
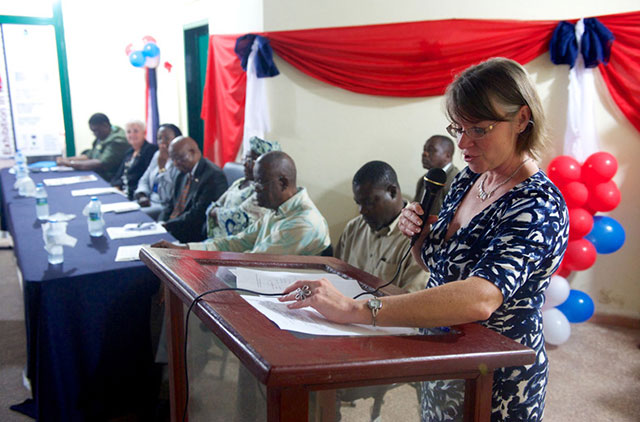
475, 93
139, 123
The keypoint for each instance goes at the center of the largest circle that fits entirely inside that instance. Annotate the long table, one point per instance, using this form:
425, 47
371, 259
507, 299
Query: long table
89, 353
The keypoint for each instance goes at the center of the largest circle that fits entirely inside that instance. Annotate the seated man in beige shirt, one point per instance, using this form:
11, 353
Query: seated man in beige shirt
372, 241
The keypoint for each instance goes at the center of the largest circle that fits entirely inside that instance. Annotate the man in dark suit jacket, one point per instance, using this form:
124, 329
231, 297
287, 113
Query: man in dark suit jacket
437, 153
199, 183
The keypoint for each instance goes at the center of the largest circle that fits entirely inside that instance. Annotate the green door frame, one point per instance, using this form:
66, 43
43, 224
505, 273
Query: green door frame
196, 44
63, 72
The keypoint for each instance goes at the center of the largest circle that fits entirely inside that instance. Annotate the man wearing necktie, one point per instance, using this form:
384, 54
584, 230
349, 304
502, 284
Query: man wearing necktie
198, 184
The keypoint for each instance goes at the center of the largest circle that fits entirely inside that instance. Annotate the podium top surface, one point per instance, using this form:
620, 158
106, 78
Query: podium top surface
279, 357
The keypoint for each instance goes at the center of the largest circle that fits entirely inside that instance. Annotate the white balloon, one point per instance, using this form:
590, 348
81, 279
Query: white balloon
557, 292
152, 62
556, 327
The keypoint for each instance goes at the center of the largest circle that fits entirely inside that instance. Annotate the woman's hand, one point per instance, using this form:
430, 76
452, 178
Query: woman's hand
327, 300
411, 219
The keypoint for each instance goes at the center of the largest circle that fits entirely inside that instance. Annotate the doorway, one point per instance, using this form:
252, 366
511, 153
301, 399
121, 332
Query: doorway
196, 48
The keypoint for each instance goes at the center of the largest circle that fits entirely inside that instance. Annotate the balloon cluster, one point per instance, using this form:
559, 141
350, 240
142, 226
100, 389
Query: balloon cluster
587, 189
147, 56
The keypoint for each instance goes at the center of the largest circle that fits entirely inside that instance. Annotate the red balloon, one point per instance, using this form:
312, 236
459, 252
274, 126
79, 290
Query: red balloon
580, 223
562, 271
604, 196
563, 169
580, 255
599, 168
575, 194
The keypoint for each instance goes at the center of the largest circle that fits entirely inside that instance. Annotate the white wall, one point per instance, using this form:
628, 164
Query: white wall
331, 132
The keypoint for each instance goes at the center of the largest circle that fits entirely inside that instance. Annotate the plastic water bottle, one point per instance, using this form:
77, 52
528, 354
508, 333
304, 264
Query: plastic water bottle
42, 203
55, 253
21, 165
94, 218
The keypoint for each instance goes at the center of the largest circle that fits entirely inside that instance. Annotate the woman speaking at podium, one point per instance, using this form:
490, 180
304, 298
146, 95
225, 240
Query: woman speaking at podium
499, 237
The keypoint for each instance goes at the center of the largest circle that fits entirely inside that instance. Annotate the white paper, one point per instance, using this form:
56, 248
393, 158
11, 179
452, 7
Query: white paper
119, 207
310, 321
129, 253
277, 281
95, 191
59, 181
135, 230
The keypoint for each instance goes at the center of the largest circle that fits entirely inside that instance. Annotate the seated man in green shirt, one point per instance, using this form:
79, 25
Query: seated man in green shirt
372, 241
107, 151
293, 226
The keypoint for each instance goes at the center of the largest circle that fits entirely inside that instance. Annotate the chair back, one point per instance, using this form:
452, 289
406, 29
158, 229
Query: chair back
233, 171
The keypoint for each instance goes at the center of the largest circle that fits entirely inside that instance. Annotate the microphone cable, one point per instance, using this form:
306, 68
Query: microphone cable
377, 289
237, 289
186, 333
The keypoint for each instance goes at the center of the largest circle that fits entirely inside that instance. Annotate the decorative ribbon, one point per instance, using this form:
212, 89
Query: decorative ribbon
264, 65
595, 44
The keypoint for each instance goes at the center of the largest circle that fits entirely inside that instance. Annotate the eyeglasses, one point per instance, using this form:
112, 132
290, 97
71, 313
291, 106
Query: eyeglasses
473, 132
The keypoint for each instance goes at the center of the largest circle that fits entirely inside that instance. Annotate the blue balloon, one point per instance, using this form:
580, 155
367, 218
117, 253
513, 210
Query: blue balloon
578, 307
150, 50
136, 58
607, 235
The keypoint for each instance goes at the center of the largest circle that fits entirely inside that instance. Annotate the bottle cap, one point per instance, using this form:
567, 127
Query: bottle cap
40, 185
94, 198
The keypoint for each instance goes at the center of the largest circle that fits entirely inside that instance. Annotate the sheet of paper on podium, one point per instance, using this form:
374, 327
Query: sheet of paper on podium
310, 321
306, 320
277, 281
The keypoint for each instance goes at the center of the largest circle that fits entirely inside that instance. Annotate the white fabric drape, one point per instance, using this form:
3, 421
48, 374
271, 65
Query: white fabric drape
580, 139
256, 110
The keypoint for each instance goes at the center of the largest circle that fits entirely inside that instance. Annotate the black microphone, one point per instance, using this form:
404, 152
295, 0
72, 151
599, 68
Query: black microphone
434, 180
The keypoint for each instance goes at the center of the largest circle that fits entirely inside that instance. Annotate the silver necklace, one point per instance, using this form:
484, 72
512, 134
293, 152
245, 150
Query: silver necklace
483, 196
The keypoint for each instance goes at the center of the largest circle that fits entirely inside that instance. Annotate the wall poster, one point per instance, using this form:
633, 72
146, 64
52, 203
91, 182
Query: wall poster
35, 120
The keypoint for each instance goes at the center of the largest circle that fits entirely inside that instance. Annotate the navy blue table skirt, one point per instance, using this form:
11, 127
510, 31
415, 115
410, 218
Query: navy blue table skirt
88, 320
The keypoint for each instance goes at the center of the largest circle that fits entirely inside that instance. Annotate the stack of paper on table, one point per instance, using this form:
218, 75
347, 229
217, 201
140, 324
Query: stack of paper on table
95, 191
119, 207
135, 230
129, 253
59, 181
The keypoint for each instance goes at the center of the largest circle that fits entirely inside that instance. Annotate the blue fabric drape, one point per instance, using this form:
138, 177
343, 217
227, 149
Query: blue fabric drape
595, 46
265, 67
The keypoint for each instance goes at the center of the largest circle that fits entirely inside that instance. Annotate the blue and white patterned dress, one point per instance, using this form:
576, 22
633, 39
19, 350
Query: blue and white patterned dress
517, 243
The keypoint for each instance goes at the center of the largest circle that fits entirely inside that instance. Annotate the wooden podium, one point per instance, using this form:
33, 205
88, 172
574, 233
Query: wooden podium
290, 367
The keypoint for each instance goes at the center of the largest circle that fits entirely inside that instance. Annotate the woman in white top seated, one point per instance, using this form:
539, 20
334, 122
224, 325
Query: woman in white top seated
237, 208
155, 187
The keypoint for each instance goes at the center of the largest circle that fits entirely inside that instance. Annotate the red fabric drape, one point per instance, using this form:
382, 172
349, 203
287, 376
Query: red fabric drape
223, 101
405, 59
415, 59
622, 74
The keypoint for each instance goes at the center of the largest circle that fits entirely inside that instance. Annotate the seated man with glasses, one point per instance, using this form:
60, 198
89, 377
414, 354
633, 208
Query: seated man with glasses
198, 184
293, 226
437, 153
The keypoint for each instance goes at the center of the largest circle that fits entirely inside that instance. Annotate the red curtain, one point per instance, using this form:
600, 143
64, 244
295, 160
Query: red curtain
223, 101
622, 74
415, 59
405, 59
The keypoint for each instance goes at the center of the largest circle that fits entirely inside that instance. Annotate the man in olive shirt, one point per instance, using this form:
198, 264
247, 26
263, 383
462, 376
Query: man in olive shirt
372, 241
107, 151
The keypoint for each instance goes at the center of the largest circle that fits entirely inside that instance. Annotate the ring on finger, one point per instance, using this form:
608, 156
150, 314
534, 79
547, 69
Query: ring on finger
303, 292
